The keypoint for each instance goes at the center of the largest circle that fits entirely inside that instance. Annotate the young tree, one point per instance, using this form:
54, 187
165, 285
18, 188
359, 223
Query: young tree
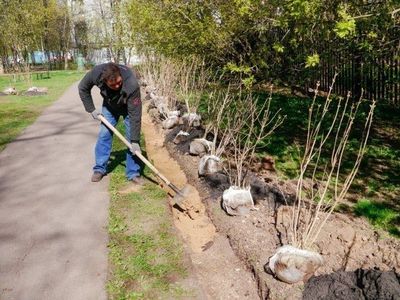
24, 31
328, 180
60, 29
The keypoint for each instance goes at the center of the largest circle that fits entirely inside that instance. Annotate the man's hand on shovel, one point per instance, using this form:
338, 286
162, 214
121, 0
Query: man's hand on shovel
180, 194
135, 147
95, 114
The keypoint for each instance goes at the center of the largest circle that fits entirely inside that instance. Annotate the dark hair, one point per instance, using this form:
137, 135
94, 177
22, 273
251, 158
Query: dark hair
110, 72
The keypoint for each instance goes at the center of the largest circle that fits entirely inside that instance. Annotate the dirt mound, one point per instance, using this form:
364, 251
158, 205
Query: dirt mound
360, 284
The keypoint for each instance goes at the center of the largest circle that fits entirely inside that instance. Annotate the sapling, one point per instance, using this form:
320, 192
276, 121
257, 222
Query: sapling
248, 122
160, 74
193, 76
167, 81
218, 103
148, 72
174, 81
329, 187
328, 181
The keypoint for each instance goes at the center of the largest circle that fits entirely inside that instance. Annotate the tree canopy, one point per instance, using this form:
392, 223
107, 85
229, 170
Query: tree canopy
260, 40
277, 39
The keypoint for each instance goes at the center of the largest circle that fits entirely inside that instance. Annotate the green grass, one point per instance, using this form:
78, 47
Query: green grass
380, 215
18, 111
145, 256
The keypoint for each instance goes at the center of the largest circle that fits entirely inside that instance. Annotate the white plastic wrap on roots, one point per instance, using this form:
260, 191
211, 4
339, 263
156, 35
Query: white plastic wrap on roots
10, 91
154, 102
291, 264
200, 147
37, 89
170, 122
181, 135
209, 164
150, 89
174, 113
163, 108
237, 201
152, 96
192, 119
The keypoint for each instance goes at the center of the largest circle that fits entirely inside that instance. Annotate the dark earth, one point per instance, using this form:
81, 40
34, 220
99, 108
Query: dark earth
360, 262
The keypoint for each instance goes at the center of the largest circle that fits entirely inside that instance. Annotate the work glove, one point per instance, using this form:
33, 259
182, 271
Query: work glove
135, 147
95, 114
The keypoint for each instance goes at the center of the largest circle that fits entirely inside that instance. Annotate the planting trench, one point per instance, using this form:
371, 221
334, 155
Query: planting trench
223, 248
219, 272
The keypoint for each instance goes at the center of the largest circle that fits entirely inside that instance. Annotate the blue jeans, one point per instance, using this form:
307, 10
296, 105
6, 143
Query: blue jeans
104, 145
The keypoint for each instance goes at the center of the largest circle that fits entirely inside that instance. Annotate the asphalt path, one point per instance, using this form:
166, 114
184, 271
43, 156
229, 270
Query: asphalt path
53, 236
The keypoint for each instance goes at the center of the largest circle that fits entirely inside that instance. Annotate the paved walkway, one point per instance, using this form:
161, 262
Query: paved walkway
53, 237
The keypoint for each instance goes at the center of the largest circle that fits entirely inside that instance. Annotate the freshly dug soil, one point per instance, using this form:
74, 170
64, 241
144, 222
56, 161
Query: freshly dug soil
360, 284
347, 242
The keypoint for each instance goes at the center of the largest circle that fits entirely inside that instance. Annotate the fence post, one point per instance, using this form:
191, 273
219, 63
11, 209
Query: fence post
357, 75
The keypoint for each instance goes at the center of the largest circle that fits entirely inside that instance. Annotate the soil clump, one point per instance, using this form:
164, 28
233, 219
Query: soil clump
360, 284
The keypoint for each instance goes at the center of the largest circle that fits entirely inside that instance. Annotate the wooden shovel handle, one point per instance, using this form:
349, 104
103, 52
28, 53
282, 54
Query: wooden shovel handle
137, 153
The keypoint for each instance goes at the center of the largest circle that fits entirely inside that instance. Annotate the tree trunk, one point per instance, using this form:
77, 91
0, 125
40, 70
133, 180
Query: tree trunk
357, 80
65, 60
3, 60
15, 59
128, 57
125, 57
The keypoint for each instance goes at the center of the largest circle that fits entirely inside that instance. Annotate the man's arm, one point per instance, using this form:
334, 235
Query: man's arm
85, 87
135, 114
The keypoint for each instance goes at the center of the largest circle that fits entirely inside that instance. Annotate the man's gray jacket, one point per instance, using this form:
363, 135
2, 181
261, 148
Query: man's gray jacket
126, 101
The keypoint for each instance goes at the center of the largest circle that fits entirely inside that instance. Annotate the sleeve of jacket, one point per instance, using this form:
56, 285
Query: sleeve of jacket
134, 103
85, 87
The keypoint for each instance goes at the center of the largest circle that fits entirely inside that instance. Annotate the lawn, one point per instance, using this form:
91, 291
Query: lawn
19, 111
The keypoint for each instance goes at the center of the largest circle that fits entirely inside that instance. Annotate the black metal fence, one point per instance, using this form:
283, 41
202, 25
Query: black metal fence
379, 77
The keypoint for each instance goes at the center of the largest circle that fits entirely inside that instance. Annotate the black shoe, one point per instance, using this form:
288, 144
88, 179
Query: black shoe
97, 176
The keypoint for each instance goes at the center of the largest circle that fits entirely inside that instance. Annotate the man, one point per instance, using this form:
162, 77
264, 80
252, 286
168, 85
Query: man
121, 97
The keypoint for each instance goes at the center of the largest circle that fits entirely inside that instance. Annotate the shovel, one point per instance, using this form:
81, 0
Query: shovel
179, 194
